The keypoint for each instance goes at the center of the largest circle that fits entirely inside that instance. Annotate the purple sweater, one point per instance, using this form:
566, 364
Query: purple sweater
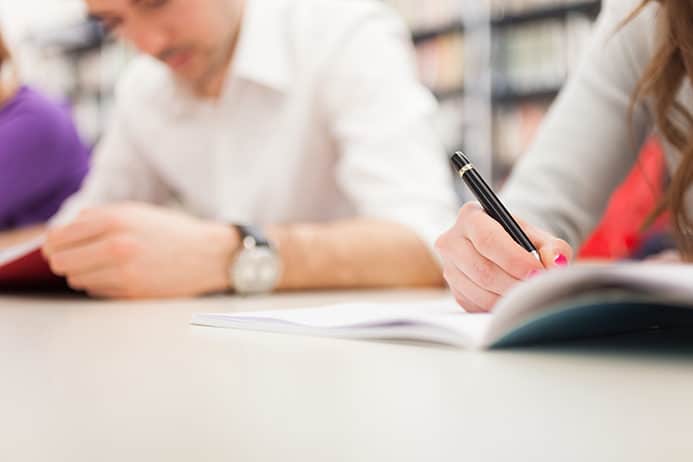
42, 160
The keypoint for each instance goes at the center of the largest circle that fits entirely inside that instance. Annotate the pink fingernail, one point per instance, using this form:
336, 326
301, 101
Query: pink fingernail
561, 260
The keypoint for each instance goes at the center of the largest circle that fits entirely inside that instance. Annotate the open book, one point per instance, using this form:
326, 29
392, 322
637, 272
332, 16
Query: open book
23, 266
577, 301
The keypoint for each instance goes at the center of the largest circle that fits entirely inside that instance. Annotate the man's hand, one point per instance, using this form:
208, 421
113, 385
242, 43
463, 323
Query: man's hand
140, 251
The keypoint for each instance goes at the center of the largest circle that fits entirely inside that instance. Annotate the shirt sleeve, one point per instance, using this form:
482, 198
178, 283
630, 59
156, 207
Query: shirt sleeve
392, 164
587, 143
120, 171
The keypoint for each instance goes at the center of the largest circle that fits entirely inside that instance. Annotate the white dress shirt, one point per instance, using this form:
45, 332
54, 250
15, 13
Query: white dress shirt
322, 118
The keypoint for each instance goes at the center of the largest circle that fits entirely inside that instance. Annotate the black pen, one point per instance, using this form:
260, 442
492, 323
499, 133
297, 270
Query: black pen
490, 202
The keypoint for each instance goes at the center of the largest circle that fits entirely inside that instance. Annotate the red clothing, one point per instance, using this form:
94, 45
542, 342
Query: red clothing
619, 233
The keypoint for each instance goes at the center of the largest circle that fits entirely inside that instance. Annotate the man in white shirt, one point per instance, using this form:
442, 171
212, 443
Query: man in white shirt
303, 118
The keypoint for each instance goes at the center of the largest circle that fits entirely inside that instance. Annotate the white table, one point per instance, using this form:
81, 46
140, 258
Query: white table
91, 381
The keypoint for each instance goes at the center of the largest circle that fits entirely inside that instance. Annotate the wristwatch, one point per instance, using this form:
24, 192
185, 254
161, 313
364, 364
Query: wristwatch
257, 267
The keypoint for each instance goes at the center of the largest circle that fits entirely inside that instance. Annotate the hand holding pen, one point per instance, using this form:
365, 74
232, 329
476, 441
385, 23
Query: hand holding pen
487, 251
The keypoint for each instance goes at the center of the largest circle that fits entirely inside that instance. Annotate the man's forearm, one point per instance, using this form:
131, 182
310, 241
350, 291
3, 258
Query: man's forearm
354, 254
133, 250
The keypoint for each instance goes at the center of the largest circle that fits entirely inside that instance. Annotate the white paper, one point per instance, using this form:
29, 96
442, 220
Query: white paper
664, 281
15, 252
435, 320
442, 320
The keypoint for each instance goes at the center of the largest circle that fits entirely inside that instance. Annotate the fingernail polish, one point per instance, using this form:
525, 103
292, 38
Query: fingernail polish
560, 260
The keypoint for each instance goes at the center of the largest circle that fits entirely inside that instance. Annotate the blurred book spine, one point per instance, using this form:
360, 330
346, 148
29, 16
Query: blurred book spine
530, 64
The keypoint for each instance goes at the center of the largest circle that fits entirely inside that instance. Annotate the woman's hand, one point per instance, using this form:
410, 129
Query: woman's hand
482, 262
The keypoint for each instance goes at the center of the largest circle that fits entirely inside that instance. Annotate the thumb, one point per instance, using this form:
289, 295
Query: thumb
554, 252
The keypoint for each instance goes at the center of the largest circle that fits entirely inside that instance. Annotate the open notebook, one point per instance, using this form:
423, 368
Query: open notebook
23, 266
578, 301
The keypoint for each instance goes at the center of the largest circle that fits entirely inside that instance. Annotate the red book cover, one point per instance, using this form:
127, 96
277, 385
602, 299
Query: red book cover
23, 267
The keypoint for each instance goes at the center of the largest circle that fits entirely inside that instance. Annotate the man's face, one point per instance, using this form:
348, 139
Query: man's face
192, 37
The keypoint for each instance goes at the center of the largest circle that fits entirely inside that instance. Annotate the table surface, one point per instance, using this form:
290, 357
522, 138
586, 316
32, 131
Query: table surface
83, 380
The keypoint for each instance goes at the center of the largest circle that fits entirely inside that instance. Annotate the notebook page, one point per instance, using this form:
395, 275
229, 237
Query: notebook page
669, 282
440, 320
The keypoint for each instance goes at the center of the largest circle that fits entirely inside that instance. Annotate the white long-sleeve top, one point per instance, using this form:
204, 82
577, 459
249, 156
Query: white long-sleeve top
587, 144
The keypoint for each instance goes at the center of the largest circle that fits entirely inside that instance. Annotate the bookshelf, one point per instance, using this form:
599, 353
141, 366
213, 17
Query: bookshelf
90, 62
530, 47
452, 39
502, 17
504, 98
534, 51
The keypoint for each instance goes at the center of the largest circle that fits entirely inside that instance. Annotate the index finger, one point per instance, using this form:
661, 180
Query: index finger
491, 240
81, 230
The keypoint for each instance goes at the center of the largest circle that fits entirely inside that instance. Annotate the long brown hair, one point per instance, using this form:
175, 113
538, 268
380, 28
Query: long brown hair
661, 81
4, 61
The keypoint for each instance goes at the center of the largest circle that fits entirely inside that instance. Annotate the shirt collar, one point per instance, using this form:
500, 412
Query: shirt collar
262, 55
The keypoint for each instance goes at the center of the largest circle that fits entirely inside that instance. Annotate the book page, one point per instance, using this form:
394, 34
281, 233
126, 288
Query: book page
664, 282
10, 254
440, 320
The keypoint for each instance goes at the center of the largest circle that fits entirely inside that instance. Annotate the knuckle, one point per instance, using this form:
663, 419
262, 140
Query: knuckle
469, 209
477, 217
484, 273
485, 239
520, 267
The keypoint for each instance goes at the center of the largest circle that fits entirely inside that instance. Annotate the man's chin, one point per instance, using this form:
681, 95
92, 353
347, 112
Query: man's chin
184, 74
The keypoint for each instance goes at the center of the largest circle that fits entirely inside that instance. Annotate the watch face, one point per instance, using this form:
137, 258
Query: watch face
256, 270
